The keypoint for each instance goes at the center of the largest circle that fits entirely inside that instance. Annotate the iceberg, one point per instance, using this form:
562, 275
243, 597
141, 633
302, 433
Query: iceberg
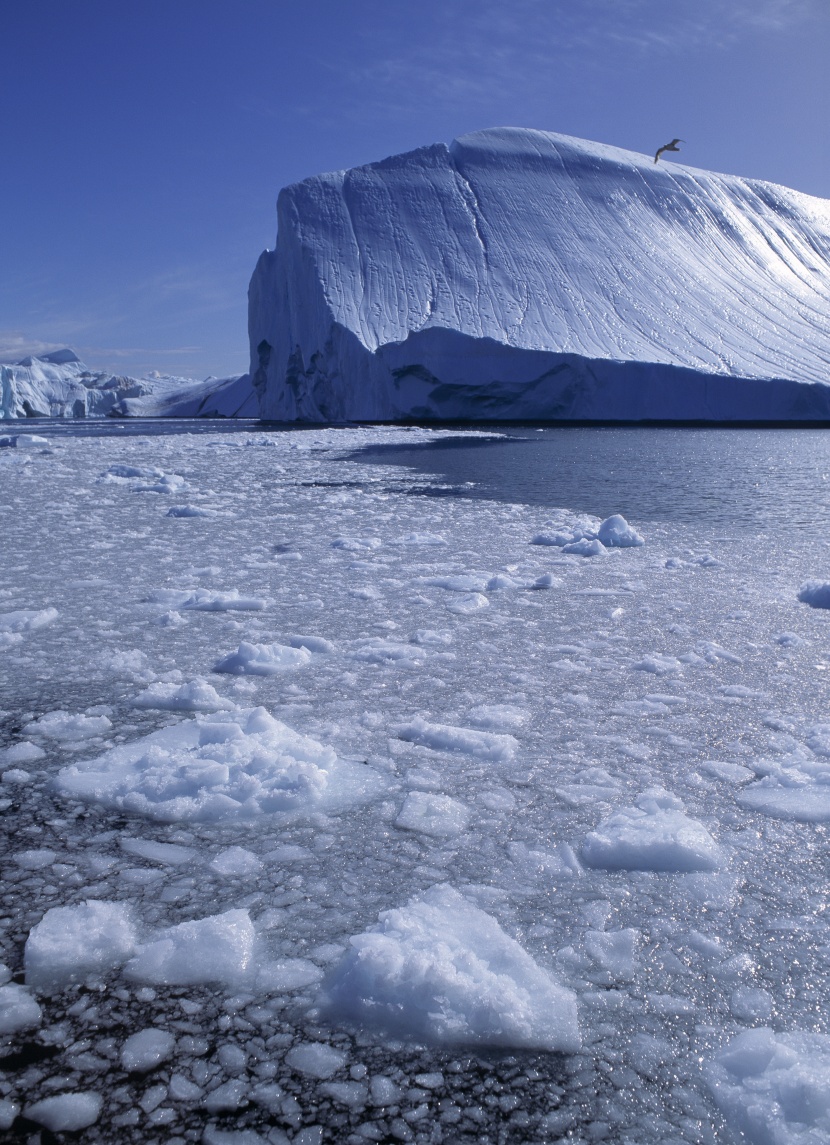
60, 385
521, 274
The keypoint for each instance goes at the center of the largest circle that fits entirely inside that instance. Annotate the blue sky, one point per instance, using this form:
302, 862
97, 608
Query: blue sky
143, 144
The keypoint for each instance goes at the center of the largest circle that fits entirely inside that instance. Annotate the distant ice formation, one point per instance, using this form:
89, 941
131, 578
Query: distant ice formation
522, 274
60, 385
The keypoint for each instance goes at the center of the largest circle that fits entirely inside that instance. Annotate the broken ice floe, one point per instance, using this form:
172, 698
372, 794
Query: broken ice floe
70, 943
654, 835
774, 1087
442, 737
194, 696
795, 787
262, 659
816, 593
432, 814
13, 625
237, 765
206, 600
441, 968
587, 537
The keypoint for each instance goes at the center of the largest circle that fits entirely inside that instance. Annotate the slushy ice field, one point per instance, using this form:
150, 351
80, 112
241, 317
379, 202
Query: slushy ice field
338, 810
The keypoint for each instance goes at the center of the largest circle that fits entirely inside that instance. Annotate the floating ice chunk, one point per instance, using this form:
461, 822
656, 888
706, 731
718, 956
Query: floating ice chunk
235, 862
187, 511
18, 1009
287, 974
655, 835
316, 1059
206, 600
433, 814
378, 651
443, 737
546, 580
441, 968
658, 665
147, 1049
262, 659
167, 483
615, 951
468, 604
774, 1087
465, 582
22, 752
171, 854
751, 1004
219, 948
816, 593
8, 1109
194, 696
240, 765
355, 544
616, 531
17, 775
24, 441
26, 620
36, 859
586, 548
797, 787
67, 728
67, 1112
312, 643
498, 717
501, 581
213, 1136
422, 539
71, 942
430, 638
130, 472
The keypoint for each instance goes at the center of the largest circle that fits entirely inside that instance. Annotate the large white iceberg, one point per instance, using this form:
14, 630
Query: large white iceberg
60, 385
524, 274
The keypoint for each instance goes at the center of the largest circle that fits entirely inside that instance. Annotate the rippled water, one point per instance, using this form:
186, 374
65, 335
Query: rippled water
743, 478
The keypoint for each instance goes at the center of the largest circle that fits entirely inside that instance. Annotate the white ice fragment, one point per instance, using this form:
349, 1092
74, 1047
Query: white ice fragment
17, 775
147, 1049
214, 1136
816, 593
774, 1087
468, 604
8, 1112
206, 600
26, 620
615, 951
433, 814
187, 511
586, 548
312, 643
236, 862
286, 974
23, 752
66, 1112
171, 854
65, 728
658, 665
24, 441
195, 696
316, 1059
18, 1009
236, 765
546, 580
35, 860
444, 737
616, 531
219, 949
71, 942
384, 1091
497, 717
796, 787
443, 969
262, 659
751, 1004
654, 835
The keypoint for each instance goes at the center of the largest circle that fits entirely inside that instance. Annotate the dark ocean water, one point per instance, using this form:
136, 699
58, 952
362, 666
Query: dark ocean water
757, 479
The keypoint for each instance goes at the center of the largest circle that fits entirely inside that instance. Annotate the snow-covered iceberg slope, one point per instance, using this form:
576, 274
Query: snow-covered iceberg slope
523, 274
60, 385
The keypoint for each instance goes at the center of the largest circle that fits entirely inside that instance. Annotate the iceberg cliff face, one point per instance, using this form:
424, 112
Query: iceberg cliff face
522, 274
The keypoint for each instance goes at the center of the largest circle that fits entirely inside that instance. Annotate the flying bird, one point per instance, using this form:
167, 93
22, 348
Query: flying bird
668, 147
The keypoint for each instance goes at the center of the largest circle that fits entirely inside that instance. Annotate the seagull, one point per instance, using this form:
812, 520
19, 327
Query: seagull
668, 147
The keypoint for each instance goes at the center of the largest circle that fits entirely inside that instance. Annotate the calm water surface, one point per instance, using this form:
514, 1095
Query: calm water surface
742, 478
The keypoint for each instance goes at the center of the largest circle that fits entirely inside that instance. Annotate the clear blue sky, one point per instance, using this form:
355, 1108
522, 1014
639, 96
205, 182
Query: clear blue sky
144, 143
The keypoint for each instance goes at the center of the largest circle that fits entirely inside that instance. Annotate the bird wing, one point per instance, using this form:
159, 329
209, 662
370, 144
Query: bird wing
660, 151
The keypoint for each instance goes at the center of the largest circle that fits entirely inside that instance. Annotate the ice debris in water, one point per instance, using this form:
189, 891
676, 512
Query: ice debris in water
654, 835
66, 728
796, 787
194, 696
262, 659
587, 538
236, 765
206, 600
774, 1087
66, 1112
442, 737
71, 942
816, 593
14, 624
441, 968
147, 1049
616, 531
432, 814
18, 1009
219, 949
